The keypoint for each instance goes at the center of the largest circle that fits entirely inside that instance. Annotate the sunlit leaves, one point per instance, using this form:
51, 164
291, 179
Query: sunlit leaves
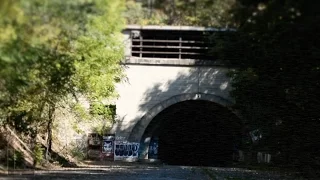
180, 12
100, 51
52, 48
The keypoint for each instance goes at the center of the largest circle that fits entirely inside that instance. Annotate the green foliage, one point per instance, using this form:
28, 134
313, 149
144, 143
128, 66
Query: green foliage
99, 109
134, 13
137, 13
78, 149
50, 49
99, 51
16, 159
78, 153
215, 13
80, 111
101, 129
276, 84
38, 153
76, 128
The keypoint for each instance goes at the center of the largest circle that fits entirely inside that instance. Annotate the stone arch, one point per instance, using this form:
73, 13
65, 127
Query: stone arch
139, 128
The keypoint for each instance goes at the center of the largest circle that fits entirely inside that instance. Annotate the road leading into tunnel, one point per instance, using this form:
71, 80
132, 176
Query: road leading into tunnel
134, 171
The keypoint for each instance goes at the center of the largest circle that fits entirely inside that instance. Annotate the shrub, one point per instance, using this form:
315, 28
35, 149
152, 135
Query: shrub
38, 153
16, 159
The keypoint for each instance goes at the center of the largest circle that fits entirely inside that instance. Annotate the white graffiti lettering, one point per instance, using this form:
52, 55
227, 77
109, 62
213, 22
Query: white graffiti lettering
125, 150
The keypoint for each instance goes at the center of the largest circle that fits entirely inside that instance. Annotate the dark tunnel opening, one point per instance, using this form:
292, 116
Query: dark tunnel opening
198, 133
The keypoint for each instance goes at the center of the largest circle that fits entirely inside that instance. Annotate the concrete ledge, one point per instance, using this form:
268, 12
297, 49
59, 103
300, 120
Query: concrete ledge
180, 28
173, 62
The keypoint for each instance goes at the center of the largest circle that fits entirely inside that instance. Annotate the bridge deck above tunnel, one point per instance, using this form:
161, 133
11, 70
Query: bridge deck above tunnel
172, 45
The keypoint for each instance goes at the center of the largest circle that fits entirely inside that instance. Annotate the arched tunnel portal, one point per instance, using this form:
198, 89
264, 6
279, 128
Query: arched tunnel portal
194, 132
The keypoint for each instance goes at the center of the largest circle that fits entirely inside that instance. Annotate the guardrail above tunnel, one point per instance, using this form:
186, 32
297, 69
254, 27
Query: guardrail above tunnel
171, 45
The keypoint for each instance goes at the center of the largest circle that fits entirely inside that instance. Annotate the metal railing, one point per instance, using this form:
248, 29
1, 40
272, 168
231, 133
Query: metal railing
171, 44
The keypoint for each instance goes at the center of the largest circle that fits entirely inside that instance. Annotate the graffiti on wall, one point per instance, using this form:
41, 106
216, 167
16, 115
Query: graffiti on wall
107, 145
126, 150
120, 138
153, 149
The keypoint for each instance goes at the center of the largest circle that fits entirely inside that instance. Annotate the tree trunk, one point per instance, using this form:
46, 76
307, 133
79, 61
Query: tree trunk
33, 144
49, 130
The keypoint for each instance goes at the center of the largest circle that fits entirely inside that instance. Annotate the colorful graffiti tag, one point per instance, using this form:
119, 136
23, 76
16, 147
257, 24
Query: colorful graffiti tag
126, 150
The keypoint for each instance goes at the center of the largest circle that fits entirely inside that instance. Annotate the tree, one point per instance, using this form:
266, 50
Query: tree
180, 12
276, 84
51, 49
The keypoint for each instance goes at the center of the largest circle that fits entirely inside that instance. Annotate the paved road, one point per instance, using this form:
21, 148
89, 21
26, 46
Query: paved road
119, 173
146, 172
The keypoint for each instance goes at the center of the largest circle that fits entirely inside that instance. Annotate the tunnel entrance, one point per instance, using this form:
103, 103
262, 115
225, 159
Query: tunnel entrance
195, 133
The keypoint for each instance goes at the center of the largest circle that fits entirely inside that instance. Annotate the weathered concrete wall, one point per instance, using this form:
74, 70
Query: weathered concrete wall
150, 85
